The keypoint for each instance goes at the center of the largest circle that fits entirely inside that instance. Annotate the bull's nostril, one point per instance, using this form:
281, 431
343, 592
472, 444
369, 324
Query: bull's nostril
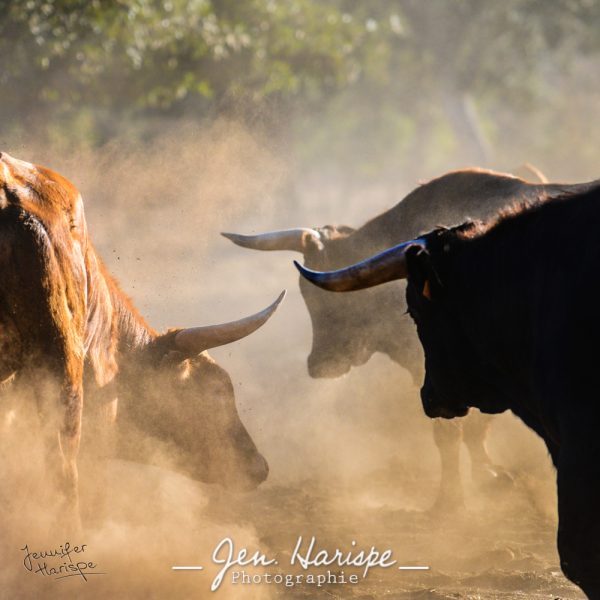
314, 371
425, 395
429, 405
258, 471
261, 469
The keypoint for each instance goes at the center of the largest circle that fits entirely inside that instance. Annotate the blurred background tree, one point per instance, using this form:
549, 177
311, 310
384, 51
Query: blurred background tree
363, 88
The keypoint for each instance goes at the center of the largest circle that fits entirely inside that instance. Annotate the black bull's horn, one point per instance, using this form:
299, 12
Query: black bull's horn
381, 268
285, 239
197, 339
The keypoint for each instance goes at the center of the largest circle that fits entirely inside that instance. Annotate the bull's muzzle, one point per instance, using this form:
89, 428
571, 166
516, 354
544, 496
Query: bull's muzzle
435, 408
256, 472
323, 368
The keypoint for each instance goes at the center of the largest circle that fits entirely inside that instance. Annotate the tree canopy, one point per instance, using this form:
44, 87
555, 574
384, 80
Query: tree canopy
376, 74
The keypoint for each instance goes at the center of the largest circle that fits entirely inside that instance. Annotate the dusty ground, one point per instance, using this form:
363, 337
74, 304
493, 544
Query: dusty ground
481, 554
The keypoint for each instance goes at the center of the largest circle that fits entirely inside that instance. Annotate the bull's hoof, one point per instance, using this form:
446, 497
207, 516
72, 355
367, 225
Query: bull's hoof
493, 478
447, 504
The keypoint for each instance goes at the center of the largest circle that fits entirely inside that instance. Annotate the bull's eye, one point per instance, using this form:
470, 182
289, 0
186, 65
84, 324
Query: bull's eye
426, 292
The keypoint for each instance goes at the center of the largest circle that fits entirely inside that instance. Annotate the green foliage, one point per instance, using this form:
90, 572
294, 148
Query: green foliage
367, 77
154, 54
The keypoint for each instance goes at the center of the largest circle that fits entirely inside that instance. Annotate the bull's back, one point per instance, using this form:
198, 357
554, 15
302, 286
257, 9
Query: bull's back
461, 195
452, 199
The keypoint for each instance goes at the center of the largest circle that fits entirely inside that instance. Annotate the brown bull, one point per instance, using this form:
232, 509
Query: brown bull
66, 328
349, 328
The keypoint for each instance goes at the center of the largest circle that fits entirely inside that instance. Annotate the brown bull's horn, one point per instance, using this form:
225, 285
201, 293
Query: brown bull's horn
286, 239
197, 339
385, 266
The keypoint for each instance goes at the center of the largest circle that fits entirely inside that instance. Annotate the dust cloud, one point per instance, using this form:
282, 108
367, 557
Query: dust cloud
350, 459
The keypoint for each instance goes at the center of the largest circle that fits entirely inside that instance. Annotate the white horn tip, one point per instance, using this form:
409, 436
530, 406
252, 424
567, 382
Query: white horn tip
277, 302
197, 339
280, 298
234, 237
245, 241
268, 312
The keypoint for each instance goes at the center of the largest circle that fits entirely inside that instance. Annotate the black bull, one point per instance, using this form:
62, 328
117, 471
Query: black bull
508, 315
348, 329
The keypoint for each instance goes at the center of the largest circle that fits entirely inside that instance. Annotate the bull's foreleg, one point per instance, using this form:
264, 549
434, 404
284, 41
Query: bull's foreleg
99, 447
485, 473
447, 435
69, 439
578, 502
60, 404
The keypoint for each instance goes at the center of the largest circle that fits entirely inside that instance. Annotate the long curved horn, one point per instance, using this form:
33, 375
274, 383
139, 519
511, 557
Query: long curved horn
285, 239
385, 266
197, 339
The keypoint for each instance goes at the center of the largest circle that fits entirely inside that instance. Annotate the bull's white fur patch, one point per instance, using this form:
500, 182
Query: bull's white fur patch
13, 168
184, 370
18, 165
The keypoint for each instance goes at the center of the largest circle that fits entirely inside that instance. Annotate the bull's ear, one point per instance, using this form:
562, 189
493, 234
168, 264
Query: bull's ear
172, 358
162, 350
314, 246
335, 232
421, 272
344, 230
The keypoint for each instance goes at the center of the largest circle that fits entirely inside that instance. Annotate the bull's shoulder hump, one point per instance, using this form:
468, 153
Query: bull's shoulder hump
45, 194
473, 176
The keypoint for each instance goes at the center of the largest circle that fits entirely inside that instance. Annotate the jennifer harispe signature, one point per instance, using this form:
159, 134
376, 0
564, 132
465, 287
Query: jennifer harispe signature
60, 563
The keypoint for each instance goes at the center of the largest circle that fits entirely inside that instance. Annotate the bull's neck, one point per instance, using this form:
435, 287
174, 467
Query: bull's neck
404, 221
382, 232
491, 297
132, 330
